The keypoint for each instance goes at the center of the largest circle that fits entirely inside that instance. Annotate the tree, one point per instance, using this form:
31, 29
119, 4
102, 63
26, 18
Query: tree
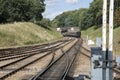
70, 18
95, 12
117, 13
21, 10
85, 18
86, 21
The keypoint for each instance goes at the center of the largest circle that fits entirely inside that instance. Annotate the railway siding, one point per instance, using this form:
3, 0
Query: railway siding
12, 68
27, 65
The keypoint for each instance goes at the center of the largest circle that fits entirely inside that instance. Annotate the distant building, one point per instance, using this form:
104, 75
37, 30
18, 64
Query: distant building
58, 29
69, 29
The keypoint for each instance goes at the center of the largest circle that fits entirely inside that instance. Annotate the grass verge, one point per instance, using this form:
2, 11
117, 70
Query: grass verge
25, 33
93, 33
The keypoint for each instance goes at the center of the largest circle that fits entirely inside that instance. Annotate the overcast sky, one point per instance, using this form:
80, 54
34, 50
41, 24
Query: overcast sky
56, 7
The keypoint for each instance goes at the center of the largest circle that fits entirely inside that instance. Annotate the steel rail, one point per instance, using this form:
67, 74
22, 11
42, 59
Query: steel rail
14, 71
29, 53
56, 48
24, 51
7, 57
70, 64
13, 51
68, 68
53, 63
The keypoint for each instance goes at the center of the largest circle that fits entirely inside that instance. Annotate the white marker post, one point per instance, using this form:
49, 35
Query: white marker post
111, 25
104, 25
104, 39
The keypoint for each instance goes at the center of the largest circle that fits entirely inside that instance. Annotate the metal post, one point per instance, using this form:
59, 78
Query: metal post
110, 56
104, 39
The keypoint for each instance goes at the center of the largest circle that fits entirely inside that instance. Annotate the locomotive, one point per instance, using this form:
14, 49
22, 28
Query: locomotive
76, 34
71, 32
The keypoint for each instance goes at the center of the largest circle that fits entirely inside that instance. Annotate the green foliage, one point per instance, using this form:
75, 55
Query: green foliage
85, 18
54, 23
117, 18
46, 23
96, 11
93, 16
21, 10
69, 19
117, 14
93, 33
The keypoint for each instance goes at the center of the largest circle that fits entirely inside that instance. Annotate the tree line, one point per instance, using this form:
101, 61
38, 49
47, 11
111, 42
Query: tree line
21, 10
87, 17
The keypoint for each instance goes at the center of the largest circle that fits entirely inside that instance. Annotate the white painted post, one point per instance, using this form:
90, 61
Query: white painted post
111, 25
104, 39
87, 40
104, 25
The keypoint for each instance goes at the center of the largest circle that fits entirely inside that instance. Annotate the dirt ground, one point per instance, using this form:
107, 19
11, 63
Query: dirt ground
81, 64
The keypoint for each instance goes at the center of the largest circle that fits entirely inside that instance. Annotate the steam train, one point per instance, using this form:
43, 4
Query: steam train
70, 32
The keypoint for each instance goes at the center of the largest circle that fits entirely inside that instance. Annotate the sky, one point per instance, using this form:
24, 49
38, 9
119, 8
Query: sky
56, 7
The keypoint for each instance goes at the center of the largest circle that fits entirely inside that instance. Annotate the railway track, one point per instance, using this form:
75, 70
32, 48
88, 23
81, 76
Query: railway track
14, 67
24, 51
29, 53
33, 54
80, 66
59, 68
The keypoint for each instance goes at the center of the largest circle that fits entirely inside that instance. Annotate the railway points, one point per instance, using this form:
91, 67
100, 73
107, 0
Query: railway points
13, 69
